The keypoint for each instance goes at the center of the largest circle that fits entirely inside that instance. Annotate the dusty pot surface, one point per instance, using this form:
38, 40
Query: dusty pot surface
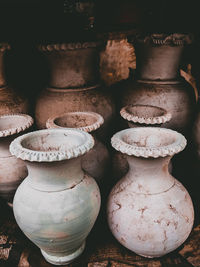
53, 102
57, 204
12, 170
72, 65
149, 211
97, 161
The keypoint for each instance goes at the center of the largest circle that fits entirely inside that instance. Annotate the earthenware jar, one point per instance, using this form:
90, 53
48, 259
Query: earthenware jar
158, 80
10, 101
57, 204
138, 116
97, 161
149, 211
12, 170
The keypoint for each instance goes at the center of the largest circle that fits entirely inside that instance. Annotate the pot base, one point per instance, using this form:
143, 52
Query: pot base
56, 260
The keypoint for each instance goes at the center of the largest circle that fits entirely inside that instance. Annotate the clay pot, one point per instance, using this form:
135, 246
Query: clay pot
53, 102
159, 82
149, 211
72, 65
57, 204
97, 161
138, 116
12, 170
10, 101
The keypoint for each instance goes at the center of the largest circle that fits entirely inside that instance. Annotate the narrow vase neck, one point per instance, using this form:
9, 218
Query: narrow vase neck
55, 176
149, 175
4, 146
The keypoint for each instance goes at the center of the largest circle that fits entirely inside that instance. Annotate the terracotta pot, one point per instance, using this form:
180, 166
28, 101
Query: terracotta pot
53, 102
149, 211
158, 80
138, 116
10, 101
57, 204
72, 65
12, 170
97, 161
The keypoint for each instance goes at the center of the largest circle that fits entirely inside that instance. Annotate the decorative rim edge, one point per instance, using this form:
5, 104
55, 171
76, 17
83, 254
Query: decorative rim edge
4, 46
15, 130
151, 120
148, 152
50, 124
17, 150
177, 39
68, 46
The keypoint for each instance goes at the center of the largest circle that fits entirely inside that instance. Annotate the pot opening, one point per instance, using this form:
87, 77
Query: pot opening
143, 111
15, 122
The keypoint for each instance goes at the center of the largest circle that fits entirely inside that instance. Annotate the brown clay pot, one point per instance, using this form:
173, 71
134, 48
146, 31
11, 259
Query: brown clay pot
10, 101
158, 80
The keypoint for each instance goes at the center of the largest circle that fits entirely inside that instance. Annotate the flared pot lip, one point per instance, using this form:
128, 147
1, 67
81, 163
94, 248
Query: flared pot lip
20, 151
27, 123
175, 147
51, 122
130, 116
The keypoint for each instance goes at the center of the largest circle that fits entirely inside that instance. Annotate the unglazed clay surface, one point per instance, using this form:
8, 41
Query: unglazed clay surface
149, 212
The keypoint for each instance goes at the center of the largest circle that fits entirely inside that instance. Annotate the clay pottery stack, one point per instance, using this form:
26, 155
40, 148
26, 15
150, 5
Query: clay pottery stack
12, 170
97, 161
149, 211
138, 116
158, 80
57, 204
10, 101
74, 84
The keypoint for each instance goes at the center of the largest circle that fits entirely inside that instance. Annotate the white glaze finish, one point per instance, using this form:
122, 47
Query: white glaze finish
96, 162
57, 204
149, 212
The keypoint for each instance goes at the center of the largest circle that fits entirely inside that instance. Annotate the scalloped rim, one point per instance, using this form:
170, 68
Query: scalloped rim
89, 128
17, 150
151, 120
20, 128
68, 46
148, 152
4, 46
164, 39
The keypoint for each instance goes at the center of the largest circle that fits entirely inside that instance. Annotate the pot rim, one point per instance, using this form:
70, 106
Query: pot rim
27, 123
51, 122
72, 90
129, 115
18, 149
174, 147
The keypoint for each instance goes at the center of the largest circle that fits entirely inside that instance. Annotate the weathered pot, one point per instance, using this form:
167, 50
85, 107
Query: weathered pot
57, 204
149, 211
158, 80
97, 161
72, 65
138, 116
53, 102
12, 170
10, 101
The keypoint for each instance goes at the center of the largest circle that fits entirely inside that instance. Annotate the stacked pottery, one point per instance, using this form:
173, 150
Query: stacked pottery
10, 102
57, 204
97, 161
12, 170
158, 79
149, 211
74, 84
138, 116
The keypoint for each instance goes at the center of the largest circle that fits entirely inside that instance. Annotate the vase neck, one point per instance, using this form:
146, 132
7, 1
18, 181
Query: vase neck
4, 146
149, 175
2, 74
55, 176
158, 62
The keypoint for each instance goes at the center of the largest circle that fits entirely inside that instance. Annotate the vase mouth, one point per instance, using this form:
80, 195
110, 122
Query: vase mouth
148, 142
51, 145
83, 120
145, 114
11, 124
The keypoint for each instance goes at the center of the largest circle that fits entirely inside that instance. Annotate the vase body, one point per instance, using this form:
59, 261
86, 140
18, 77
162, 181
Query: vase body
158, 81
57, 204
149, 211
